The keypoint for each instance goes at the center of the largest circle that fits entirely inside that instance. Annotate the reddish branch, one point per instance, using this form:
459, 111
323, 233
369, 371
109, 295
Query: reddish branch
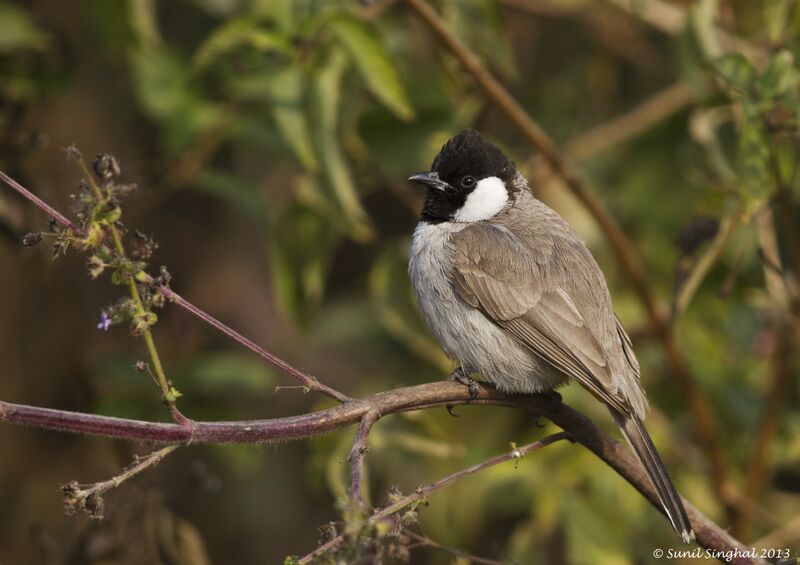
580, 428
357, 453
309, 382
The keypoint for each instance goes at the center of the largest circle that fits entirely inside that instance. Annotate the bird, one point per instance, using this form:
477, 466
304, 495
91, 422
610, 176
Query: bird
516, 298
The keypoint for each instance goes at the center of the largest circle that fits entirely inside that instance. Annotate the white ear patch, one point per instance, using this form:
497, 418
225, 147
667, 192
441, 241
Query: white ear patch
486, 200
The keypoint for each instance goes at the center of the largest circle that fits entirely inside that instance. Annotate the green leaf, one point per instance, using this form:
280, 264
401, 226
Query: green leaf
780, 76
737, 72
365, 47
167, 96
776, 16
303, 240
18, 32
288, 111
753, 157
703, 17
234, 191
144, 22
161, 81
326, 98
236, 34
172, 394
226, 371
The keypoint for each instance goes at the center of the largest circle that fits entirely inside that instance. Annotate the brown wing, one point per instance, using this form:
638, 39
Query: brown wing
523, 291
627, 348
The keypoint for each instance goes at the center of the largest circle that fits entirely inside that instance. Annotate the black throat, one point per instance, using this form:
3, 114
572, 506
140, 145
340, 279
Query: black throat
440, 205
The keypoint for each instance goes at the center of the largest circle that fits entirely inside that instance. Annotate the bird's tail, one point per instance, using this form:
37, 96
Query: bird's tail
639, 440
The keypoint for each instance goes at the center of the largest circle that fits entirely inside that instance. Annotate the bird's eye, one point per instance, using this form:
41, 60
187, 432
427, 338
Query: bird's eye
468, 182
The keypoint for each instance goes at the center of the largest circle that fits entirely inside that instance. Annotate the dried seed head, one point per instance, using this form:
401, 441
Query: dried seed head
164, 276
143, 246
106, 166
73, 152
31, 239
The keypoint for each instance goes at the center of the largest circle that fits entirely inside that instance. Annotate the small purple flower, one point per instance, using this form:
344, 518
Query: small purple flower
105, 321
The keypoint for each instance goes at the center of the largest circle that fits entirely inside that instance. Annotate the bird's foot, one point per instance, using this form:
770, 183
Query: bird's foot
553, 396
459, 376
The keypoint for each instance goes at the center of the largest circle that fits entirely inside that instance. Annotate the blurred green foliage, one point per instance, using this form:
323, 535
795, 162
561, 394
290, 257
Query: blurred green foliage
272, 140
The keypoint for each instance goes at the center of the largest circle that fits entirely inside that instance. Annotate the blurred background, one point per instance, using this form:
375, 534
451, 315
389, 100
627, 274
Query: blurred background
270, 142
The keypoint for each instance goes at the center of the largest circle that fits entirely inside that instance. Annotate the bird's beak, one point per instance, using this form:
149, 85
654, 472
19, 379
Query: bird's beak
431, 180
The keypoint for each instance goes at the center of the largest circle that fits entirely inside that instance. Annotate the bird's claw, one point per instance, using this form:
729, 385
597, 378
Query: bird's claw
553, 396
459, 376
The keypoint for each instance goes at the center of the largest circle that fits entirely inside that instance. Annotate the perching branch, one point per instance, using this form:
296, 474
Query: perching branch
580, 428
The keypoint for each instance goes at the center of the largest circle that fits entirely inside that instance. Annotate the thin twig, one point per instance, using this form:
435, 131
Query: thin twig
788, 534
41, 204
653, 110
310, 382
356, 457
623, 128
702, 418
771, 257
422, 492
428, 542
708, 260
89, 497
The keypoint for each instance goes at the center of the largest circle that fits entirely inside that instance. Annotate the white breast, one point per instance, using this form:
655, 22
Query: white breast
466, 335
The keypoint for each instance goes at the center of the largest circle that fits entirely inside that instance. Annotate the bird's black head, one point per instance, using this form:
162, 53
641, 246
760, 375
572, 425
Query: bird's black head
470, 180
